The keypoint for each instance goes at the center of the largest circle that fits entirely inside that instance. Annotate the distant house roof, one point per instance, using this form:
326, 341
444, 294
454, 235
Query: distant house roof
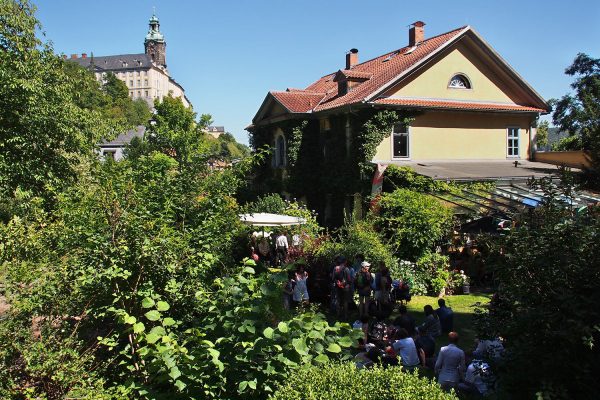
377, 75
118, 62
125, 138
215, 128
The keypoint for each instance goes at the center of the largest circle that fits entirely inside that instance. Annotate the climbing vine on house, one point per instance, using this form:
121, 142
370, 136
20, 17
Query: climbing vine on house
372, 133
294, 141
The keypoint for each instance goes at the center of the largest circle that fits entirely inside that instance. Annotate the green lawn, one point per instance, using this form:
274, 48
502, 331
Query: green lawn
463, 307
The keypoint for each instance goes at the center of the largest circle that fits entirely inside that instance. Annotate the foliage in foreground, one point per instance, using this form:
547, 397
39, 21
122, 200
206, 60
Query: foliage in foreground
344, 381
548, 271
128, 287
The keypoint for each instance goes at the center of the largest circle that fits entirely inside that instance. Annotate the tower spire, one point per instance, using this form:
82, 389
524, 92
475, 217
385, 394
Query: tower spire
155, 44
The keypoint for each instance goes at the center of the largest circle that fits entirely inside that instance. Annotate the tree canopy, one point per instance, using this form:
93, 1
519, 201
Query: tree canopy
579, 113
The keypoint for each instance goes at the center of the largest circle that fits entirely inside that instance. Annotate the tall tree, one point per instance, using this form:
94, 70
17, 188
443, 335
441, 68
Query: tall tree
175, 131
44, 130
579, 113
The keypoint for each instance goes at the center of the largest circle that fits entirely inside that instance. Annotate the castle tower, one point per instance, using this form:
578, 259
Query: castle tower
154, 44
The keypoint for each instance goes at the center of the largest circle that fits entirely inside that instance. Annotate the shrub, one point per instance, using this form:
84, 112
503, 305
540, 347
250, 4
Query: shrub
428, 276
434, 267
413, 222
357, 237
345, 381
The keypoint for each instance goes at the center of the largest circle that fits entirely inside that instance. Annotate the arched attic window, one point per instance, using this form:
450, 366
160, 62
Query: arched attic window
459, 81
280, 156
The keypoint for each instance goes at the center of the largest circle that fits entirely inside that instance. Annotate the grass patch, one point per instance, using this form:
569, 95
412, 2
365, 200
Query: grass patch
463, 306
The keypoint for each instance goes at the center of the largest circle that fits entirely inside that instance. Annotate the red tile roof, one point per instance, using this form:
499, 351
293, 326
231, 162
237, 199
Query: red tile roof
297, 101
457, 105
384, 69
377, 73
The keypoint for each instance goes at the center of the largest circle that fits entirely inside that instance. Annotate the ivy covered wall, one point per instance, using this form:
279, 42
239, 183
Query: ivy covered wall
327, 164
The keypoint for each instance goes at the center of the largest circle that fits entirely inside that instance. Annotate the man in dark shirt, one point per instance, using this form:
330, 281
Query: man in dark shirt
446, 316
405, 321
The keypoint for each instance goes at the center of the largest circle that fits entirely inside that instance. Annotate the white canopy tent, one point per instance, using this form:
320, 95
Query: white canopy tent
266, 219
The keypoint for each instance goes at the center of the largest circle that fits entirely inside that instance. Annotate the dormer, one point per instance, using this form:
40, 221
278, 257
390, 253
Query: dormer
348, 79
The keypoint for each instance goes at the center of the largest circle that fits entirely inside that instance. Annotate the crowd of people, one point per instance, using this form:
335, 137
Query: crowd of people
273, 249
413, 346
401, 342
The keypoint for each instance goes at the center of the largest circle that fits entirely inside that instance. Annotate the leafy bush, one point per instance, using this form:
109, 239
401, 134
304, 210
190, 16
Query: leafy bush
428, 276
434, 267
406, 178
569, 143
344, 381
412, 222
546, 308
353, 238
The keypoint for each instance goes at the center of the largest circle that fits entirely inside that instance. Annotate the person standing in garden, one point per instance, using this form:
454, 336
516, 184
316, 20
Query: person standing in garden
301, 289
264, 250
342, 283
281, 247
363, 286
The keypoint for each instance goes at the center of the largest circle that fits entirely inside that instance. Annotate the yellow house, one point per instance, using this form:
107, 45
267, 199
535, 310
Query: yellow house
464, 101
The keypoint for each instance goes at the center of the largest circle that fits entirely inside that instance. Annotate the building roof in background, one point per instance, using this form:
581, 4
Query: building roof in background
125, 138
117, 62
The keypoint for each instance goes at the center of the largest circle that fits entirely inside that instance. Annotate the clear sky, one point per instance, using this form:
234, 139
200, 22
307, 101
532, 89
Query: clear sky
228, 54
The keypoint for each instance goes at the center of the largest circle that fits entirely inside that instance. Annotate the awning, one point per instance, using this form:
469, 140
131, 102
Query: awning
266, 219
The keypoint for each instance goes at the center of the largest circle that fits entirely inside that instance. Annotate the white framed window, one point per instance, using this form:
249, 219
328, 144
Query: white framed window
138, 83
512, 142
131, 83
400, 141
459, 81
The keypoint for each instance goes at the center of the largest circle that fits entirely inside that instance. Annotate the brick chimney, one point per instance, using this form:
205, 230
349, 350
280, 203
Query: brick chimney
416, 33
73, 56
83, 55
351, 58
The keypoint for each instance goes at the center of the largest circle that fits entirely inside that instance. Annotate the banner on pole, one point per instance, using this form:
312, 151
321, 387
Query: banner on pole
377, 185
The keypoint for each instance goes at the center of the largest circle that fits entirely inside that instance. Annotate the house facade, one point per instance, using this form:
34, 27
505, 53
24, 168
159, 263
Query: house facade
447, 98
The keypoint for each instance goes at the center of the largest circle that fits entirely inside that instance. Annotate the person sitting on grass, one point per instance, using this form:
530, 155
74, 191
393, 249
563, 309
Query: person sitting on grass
446, 316
450, 365
477, 377
405, 320
405, 347
432, 324
426, 349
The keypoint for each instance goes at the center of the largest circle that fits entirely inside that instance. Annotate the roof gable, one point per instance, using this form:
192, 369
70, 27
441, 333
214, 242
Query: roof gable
492, 79
378, 75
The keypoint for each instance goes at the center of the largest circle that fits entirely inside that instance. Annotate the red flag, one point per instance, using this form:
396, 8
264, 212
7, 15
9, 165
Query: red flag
377, 185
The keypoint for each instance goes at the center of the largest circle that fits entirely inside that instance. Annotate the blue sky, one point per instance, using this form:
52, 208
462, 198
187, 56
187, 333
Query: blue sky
228, 54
